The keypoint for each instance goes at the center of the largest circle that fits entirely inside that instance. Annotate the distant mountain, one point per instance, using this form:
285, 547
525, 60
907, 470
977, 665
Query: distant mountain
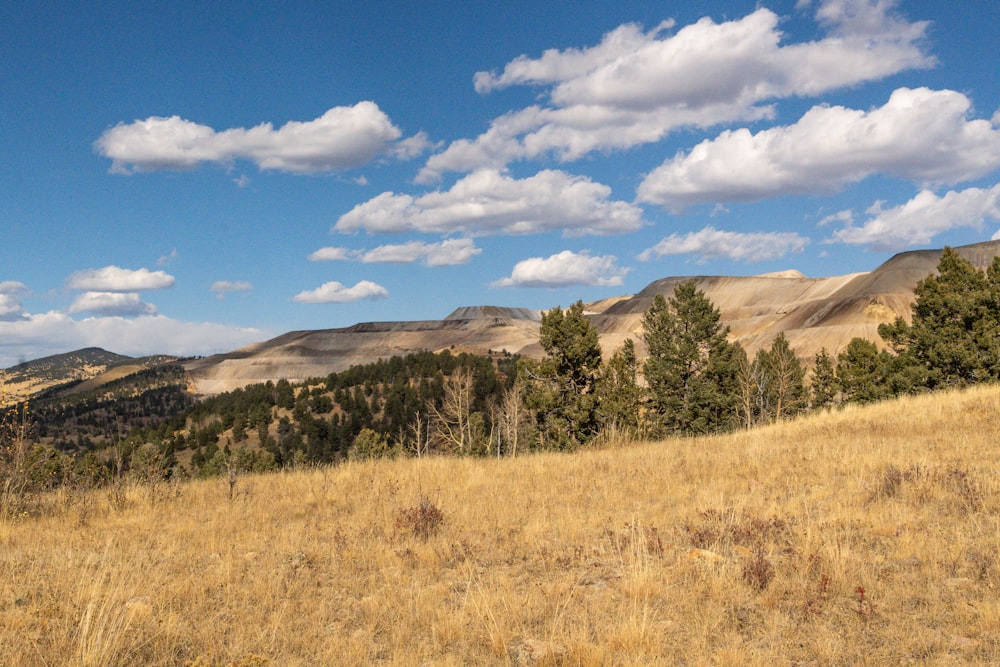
813, 313
73, 371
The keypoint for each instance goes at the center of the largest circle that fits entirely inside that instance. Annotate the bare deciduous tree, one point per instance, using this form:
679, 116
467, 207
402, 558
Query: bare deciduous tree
512, 417
453, 423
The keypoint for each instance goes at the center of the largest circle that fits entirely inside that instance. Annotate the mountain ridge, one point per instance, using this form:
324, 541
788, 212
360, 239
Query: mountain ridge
813, 313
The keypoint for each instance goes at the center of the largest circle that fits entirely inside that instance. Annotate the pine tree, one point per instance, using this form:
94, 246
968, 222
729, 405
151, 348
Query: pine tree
953, 337
560, 392
692, 370
824, 381
618, 393
862, 372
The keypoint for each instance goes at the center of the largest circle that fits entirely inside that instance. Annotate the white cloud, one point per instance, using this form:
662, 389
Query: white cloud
117, 279
41, 335
845, 217
12, 287
446, 253
342, 138
555, 66
636, 87
10, 307
330, 254
125, 304
411, 147
919, 134
488, 202
565, 269
224, 287
919, 220
10, 302
334, 292
711, 243
168, 259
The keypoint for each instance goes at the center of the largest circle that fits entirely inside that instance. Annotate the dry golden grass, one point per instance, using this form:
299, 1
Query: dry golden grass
863, 536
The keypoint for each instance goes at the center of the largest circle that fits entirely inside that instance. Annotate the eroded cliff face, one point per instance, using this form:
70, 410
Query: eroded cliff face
813, 313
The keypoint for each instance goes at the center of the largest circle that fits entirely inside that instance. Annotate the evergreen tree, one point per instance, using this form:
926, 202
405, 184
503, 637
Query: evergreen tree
953, 337
239, 430
692, 370
824, 381
284, 395
560, 393
618, 394
862, 371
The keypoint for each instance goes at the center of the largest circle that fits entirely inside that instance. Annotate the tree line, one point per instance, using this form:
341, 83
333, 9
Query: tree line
692, 380
696, 381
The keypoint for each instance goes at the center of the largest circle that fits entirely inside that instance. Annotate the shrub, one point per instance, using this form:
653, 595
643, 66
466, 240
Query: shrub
423, 520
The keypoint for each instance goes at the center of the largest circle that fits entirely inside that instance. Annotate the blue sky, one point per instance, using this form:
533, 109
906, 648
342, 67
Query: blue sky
190, 177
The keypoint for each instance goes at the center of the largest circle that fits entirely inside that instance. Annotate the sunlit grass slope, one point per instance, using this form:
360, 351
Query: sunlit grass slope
862, 536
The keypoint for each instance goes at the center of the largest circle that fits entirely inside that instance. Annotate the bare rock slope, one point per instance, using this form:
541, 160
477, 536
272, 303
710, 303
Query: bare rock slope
813, 313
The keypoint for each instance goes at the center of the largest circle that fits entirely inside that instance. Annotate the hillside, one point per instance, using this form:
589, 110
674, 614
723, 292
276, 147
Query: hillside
79, 371
813, 313
860, 536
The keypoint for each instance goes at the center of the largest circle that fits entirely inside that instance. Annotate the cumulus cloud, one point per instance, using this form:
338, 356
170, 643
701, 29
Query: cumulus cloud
711, 243
565, 269
52, 333
634, 87
409, 148
342, 138
489, 202
117, 279
330, 254
334, 292
10, 307
12, 287
224, 287
919, 134
919, 220
10, 301
126, 304
445, 253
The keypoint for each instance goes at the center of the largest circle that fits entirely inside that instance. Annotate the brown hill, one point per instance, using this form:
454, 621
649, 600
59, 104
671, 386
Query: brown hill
78, 371
813, 313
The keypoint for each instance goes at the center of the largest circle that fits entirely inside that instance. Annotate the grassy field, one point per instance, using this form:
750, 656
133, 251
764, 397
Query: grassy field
861, 536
